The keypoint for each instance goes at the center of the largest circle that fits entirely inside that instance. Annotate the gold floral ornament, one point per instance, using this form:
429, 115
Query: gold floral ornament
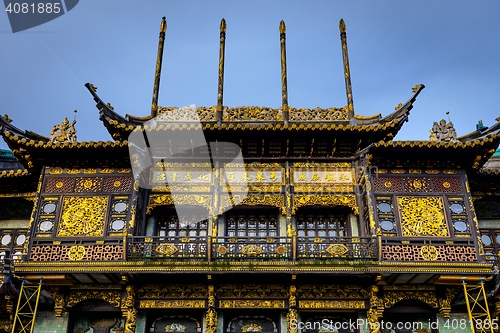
59, 184
167, 249
251, 250
422, 216
76, 252
222, 250
281, 250
429, 252
337, 250
446, 185
83, 216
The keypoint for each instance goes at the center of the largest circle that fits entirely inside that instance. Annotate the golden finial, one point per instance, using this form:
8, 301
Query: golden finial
282, 27
342, 25
414, 89
220, 85
223, 25
347, 72
7, 119
156, 86
163, 25
284, 88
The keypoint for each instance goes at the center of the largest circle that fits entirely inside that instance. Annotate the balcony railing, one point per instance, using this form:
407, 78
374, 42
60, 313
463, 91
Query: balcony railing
313, 248
245, 248
458, 250
165, 247
250, 248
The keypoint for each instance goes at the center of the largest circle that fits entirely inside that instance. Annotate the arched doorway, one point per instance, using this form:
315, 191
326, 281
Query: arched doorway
95, 314
409, 316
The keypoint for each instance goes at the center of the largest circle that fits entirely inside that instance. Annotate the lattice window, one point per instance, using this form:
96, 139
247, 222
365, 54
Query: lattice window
385, 214
323, 224
388, 184
117, 184
168, 224
59, 185
458, 214
417, 184
447, 184
244, 224
490, 238
488, 213
88, 184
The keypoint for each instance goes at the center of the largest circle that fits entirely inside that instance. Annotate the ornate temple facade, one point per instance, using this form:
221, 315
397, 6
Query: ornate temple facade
326, 224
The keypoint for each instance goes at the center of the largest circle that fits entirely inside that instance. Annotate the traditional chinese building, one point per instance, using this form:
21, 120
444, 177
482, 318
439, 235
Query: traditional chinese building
325, 221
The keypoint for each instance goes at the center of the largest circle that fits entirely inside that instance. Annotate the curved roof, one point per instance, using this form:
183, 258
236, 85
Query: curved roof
469, 154
254, 118
477, 134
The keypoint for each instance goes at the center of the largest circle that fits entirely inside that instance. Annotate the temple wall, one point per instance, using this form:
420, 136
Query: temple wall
47, 322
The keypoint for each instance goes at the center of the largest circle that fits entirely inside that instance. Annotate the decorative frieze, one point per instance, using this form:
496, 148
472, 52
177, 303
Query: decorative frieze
172, 304
450, 253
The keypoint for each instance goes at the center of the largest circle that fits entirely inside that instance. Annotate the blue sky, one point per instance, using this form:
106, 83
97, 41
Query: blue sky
453, 47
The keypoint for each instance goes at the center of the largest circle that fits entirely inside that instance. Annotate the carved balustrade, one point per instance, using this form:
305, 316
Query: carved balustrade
248, 248
430, 250
251, 248
167, 247
76, 249
350, 248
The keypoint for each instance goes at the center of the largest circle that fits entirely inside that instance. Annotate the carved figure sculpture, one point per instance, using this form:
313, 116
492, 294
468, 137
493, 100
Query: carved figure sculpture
65, 132
443, 132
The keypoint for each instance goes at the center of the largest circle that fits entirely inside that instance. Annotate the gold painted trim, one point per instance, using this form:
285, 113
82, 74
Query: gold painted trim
171, 304
301, 200
333, 304
249, 304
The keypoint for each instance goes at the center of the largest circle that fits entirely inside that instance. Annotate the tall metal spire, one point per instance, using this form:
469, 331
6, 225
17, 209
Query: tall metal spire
220, 88
159, 57
284, 88
347, 73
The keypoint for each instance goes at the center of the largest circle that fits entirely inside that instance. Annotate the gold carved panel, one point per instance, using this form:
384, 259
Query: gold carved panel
180, 199
171, 304
392, 297
422, 216
112, 297
260, 304
348, 200
333, 304
174, 291
83, 216
276, 200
